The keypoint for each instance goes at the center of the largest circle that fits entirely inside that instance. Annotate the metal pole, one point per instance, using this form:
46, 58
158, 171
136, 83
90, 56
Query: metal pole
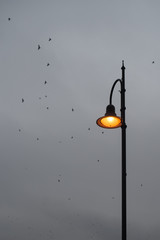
124, 173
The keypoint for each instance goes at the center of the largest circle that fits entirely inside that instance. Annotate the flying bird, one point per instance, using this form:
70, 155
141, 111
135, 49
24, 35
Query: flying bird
48, 64
49, 39
152, 62
45, 82
9, 19
72, 109
22, 100
45, 96
89, 129
39, 46
102, 132
47, 107
37, 139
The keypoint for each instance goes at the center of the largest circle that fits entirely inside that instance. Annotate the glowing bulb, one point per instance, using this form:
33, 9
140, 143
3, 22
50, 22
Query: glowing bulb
110, 119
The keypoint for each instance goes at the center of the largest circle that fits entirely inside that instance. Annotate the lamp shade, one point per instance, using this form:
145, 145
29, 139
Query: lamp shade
110, 120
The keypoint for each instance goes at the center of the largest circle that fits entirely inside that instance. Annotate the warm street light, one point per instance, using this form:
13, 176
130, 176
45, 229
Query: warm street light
110, 120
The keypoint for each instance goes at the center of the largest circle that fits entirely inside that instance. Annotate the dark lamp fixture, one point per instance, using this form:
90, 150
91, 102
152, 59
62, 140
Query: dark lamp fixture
110, 120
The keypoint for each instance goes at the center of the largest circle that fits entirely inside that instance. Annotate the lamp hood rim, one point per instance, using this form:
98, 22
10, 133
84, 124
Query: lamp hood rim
99, 123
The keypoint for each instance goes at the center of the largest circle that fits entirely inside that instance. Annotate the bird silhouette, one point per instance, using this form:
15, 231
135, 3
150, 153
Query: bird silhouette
48, 64
72, 109
89, 129
45, 96
22, 100
37, 139
39, 46
47, 108
152, 62
49, 39
9, 19
45, 82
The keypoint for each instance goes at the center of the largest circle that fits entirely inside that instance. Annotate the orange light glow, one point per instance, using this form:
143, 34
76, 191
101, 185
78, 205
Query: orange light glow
109, 122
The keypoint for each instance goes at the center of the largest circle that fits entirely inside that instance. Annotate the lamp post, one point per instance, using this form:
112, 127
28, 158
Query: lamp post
110, 120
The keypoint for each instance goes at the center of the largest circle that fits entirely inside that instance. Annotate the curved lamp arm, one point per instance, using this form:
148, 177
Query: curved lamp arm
118, 80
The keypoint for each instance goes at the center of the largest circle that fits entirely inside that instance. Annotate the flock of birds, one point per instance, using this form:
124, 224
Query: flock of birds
45, 82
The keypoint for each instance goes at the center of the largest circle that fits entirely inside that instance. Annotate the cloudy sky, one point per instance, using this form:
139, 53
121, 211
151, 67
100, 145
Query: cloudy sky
60, 176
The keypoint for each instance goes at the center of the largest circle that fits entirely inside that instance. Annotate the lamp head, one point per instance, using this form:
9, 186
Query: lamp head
109, 120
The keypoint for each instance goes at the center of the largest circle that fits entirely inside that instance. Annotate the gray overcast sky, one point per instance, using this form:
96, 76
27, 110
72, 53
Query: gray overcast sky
54, 187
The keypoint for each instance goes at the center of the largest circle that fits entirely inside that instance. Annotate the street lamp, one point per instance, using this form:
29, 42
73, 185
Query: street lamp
110, 120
